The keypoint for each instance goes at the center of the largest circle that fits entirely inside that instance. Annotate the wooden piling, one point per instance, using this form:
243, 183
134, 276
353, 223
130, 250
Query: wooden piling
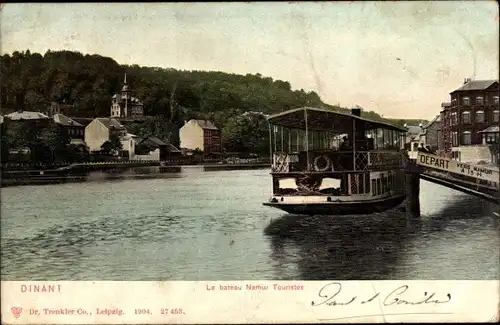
412, 191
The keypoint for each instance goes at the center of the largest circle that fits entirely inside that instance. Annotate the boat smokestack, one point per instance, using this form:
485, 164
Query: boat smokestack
356, 112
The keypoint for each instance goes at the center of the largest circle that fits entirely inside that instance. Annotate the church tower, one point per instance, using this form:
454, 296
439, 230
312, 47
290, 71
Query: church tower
125, 105
125, 89
125, 95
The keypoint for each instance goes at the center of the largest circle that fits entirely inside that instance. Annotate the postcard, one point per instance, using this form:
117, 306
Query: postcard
249, 162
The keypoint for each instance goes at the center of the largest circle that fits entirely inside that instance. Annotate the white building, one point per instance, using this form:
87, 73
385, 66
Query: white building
100, 130
124, 105
200, 134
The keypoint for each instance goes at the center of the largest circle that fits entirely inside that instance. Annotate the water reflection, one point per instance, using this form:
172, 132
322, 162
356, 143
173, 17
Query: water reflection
116, 175
57, 248
386, 246
464, 213
343, 248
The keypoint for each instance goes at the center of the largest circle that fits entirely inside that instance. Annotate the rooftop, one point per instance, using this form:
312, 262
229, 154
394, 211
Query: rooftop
27, 115
64, 120
110, 122
476, 85
82, 120
414, 131
437, 118
205, 125
158, 142
77, 142
491, 129
130, 99
319, 119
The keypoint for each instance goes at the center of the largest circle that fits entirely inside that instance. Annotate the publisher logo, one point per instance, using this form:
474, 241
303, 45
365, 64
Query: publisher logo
16, 311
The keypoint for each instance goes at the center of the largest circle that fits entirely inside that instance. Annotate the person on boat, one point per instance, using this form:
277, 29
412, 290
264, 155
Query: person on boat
422, 149
345, 145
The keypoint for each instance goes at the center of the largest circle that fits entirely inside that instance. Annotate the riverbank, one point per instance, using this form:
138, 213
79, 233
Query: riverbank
83, 173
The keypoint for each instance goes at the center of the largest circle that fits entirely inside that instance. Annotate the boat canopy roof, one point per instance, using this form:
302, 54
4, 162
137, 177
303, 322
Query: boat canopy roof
319, 119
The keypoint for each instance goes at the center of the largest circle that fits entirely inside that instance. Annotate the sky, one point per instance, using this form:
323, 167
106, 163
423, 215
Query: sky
400, 59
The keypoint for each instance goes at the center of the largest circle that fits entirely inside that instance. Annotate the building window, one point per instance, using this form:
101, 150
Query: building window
466, 138
492, 138
495, 99
495, 116
454, 139
479, 100
454, 119
456, 155
480, 117
466, 118
465, 101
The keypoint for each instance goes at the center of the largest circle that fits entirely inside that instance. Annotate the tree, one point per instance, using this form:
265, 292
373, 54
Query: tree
246, 133
55, 141
77, 152
114, 144
19, 134
4, 143
107, 147
14, 134
115, 141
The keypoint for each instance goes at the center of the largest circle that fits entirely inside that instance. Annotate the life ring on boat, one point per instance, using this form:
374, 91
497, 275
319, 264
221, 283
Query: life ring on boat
328, 163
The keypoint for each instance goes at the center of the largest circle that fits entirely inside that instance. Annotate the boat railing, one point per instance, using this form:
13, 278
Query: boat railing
336, 161
375, 159
282, 161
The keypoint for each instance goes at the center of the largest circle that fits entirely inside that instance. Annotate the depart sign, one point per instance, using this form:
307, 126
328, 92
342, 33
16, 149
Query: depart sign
457, 167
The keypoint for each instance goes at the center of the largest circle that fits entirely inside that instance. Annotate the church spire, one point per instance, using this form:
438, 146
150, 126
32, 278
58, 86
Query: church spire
125, 86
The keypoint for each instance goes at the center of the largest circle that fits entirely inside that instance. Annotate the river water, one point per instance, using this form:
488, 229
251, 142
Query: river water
198, 225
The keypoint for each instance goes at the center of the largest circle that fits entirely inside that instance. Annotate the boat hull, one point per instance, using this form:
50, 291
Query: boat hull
339, 208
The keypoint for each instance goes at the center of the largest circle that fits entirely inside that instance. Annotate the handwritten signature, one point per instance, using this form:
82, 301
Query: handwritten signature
330, 296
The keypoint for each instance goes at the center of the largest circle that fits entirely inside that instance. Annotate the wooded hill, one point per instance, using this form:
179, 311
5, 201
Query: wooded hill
85, 83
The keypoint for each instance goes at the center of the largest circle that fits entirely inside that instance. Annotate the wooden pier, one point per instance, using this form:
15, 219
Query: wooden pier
481, 181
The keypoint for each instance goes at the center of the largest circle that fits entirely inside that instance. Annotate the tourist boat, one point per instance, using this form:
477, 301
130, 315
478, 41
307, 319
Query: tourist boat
330, 163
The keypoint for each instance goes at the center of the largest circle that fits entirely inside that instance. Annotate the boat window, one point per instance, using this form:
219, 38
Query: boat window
384, 139
354, 183
384, 184
294, 140
294, 145
367, 183
361, 184
379, 139
399, 136
344, 187
374, 187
